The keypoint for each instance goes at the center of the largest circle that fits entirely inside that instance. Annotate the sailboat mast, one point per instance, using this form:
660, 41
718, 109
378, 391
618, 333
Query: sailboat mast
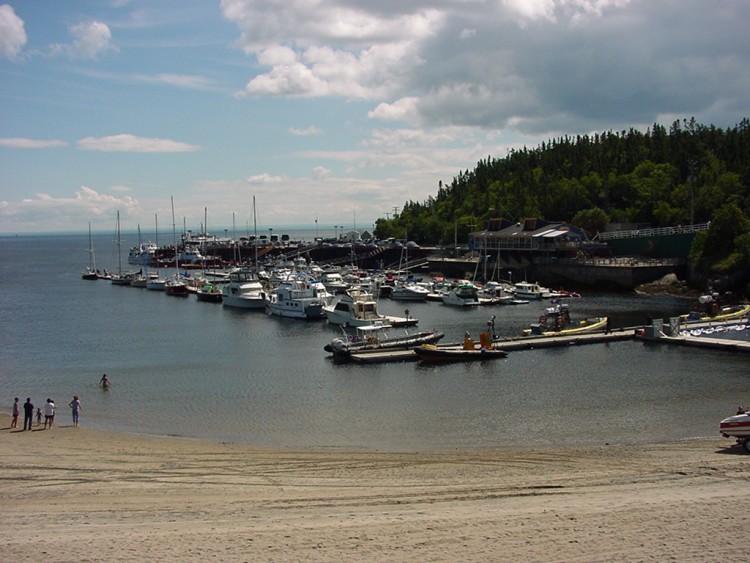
255, 233
174, 241
156, 240
119, 253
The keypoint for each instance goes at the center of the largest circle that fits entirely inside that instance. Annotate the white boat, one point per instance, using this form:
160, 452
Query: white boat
244, 290
353, 308
529, 290
409, 292
737, 426
334, 282
299, 297
358, 308
461, 295
142, 254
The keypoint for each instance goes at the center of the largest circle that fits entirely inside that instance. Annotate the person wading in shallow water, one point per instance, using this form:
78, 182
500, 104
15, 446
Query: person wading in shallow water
104, 381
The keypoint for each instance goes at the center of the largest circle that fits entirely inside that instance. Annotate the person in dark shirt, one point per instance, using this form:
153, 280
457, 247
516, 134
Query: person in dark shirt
28, 414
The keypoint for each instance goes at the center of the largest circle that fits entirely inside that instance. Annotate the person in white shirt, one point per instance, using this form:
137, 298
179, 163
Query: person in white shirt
49, 413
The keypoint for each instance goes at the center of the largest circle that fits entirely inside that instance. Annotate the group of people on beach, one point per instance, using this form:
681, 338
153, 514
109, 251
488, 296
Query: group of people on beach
49, 413
49, 410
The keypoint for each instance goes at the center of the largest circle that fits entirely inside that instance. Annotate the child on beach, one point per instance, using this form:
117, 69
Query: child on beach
38, 416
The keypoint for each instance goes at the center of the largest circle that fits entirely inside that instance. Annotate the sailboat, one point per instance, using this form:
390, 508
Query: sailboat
175, 286
157, 283
90, 272
119, 278
208, 292
140, 279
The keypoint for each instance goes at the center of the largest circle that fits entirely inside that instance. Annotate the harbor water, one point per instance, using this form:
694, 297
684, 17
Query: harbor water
188, 368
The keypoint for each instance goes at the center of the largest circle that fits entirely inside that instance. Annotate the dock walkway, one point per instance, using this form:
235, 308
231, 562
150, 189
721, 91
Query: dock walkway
512, 344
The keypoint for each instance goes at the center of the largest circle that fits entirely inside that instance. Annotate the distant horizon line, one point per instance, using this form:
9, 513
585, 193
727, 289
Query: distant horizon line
261, 232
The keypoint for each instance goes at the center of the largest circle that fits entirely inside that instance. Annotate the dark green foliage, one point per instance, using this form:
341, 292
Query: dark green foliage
660, 177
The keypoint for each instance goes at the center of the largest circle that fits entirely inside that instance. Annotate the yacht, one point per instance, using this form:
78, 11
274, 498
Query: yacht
529, 290
244, 290
463, 294
299, 297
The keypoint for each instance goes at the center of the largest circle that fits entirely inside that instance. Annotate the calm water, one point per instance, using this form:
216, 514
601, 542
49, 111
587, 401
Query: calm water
187, 368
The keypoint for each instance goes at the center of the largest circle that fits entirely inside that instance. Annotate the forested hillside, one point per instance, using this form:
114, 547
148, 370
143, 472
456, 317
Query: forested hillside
689, 173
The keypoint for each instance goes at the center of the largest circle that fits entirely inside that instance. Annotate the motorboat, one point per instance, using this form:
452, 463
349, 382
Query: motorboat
555, 321
529, 290
463, 294
299, 297
334, 282
408, 291
469, 351
353, 308
357, 307
375, 337
244, 290
209, 293
737, 426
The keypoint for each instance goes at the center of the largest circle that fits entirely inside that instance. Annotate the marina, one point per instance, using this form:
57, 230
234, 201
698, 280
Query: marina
190, 368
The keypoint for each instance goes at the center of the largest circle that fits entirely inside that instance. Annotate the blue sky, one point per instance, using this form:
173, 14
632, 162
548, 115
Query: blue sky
338, 111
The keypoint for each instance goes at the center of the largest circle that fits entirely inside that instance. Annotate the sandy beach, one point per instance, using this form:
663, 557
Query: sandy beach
75, 494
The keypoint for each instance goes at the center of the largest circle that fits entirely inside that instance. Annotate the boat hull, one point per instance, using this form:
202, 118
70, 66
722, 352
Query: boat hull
737, 426
435, 354
342, 350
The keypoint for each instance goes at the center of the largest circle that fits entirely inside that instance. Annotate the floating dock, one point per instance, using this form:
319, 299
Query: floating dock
679, 334
509, 345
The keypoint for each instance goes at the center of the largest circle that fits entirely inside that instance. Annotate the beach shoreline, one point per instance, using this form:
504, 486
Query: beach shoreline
72, 494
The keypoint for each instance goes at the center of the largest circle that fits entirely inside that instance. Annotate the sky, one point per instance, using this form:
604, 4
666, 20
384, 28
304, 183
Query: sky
327, 113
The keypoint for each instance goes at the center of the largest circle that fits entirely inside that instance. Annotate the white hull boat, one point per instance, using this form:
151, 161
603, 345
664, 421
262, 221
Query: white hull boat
737, 426
299, 298
462, 295
244, 291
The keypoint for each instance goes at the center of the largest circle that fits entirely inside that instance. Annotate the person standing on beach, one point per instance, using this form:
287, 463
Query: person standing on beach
49, 413
16, 412
75, 405
28, 414
38, 416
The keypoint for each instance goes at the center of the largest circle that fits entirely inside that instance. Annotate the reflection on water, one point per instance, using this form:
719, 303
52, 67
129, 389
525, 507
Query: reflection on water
183, 367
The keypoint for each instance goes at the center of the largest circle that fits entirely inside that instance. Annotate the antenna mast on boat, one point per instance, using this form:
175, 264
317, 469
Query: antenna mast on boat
255, 233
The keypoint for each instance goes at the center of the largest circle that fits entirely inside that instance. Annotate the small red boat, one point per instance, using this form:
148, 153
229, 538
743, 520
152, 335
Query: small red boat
737, 426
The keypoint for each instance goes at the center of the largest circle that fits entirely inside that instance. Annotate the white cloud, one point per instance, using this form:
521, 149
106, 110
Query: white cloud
22, 143
264, 179
330, 49
306, 132
90, 39
56, 212
321, 172
131, 143
12, 32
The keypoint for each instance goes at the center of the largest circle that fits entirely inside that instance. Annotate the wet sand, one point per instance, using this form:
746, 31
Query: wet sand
75, 494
